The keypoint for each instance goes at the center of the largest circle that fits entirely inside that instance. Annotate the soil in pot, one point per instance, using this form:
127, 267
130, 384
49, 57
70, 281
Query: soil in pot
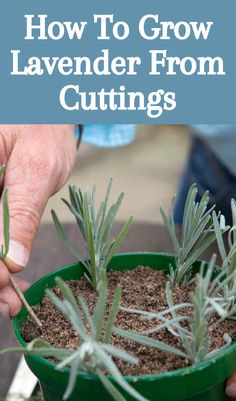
142, 288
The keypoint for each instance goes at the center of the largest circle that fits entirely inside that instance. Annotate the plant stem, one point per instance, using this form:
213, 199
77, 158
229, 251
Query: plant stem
25, 303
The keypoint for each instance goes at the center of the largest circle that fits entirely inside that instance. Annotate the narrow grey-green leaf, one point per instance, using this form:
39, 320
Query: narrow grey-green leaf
108, 191
99, 310
68, 310
111, 389
113, 370
119, 353
171, 231
87, 315
139, 338
66, 291
112, 314
6, 222
63, 236
219, 237
116, 244
2, 171
72, 378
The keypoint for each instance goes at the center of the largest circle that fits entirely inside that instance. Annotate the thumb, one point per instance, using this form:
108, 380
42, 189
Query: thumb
25, 215
27, 198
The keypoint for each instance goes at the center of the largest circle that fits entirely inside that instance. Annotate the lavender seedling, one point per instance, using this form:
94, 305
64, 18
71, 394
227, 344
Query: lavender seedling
205, 304
94, 353
194, 336
95, 228
5, 249
228, 260
197, 235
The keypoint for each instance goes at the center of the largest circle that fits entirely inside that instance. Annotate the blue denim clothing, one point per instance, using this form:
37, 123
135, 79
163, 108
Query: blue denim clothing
221, 139
207, 171
109, 136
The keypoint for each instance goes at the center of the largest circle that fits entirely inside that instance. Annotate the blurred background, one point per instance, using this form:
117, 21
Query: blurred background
148, 171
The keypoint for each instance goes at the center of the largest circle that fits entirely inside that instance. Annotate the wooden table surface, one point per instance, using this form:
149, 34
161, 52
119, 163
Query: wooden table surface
49, 253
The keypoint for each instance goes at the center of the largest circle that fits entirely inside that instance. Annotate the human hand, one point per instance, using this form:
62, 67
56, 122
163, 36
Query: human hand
38, 160
231, 387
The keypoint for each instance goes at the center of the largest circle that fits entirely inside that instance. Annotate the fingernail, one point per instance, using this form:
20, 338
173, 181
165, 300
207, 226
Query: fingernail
4, 309
18, 253
231, 390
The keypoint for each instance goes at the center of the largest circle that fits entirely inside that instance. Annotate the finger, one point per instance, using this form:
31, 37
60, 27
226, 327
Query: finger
36, 169
232, 379
4, 275
231, 386
17, 257
30, 180
9, 301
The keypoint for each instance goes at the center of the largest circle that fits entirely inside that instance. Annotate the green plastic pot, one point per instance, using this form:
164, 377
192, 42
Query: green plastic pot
205, 382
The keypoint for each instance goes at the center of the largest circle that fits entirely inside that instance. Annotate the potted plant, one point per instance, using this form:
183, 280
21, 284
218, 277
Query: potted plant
178, 346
